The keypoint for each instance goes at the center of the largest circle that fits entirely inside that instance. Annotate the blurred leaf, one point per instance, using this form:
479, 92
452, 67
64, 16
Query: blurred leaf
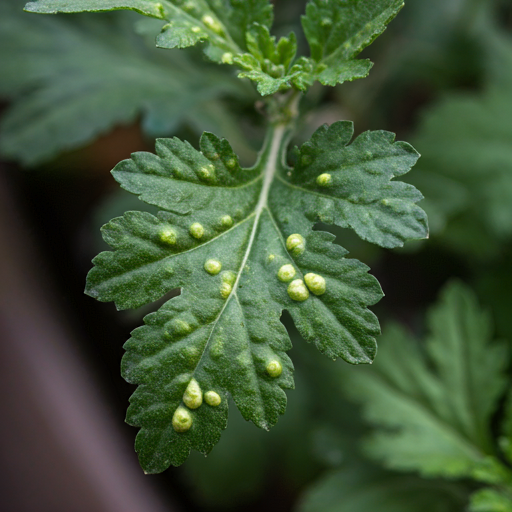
490, 500
221, 23
467, 141
73, 79
435, 421
364, 488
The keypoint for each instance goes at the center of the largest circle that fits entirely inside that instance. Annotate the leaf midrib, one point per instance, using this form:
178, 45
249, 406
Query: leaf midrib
269, 174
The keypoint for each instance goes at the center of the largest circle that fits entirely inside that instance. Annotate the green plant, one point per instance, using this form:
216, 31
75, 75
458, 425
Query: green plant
241, 243
431, 408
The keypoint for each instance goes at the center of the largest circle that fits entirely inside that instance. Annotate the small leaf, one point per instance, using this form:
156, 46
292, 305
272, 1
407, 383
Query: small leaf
268, 63
338, 30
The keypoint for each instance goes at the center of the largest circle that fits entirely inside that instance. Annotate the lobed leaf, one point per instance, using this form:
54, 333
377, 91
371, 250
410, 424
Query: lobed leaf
435, 421
224, 236
338, 30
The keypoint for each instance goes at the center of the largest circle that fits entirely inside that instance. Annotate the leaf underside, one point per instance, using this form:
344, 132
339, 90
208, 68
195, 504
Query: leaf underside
225, 339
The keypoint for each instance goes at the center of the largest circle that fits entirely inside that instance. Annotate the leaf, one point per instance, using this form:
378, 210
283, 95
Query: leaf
189, 22
349, 184
466, 139
269, 63
145, 7
238, 245
435, 421
338, 30
363, 488
96, 71
490, 500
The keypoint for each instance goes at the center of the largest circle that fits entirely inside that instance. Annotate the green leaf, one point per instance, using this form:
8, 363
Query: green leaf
268, 63
238, 245
349, 185
363, 488
146, 7
466, 139
490, 500
435, 421
338, 30
189, 22
96, 71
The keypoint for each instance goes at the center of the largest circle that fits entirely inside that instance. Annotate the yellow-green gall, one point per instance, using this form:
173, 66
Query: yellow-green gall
225, 290
212, 398
296, 244
228, 277
213, 267
168, 236
212, 23
207, 173
181, 420
180, 327
324, 180
193, 396
297, 290
226, 221
274, 368
196, 230
230, 163
271, 257
196, 29
286, 273
315, 283
227, 58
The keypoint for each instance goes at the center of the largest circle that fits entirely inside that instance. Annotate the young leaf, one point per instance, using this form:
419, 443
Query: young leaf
268, 63
440, 419
237, 243
338, 30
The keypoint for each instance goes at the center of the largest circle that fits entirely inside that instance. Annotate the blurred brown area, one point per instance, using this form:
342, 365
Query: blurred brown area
60, 448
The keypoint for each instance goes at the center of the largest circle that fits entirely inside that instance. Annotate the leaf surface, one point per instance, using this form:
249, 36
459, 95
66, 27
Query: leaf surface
145, 7
96, 70
338, 30
223, 237
220, 23
435, 422
349, 184
363, 487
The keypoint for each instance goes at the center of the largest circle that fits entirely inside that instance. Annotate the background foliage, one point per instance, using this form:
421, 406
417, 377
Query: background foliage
429, 424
